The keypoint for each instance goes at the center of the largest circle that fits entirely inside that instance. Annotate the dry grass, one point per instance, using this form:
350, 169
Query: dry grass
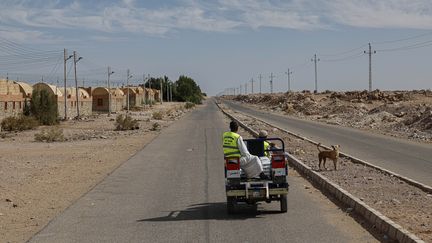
126, 122
53, 134
157, 115
19, 123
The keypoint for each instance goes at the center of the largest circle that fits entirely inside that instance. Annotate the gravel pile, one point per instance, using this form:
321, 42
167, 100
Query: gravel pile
406, 114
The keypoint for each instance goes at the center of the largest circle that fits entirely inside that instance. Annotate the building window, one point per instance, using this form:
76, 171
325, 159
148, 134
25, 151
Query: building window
5, 106
100, 102
82, 104
71, 103
20, 105
13, 105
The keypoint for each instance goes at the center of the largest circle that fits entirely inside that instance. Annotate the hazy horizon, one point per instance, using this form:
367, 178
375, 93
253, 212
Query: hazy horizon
222, 44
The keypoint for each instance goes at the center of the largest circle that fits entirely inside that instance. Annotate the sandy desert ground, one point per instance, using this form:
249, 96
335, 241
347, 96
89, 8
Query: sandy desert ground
39, 180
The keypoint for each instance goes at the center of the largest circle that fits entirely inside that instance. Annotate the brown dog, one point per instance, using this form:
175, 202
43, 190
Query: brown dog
331, 154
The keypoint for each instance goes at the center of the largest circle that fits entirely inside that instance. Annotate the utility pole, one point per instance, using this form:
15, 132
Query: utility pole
144, 87
127, 86
289, 81
252, 82
370, 65
246, 88
315, 60
148, 80
167, 91
65, 58
260, 77
271, 83
161, 91
109, 90
76, 82
144, 81
171, 88
241, 89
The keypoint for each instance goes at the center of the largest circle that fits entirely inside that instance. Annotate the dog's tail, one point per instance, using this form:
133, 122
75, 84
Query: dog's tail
318, 147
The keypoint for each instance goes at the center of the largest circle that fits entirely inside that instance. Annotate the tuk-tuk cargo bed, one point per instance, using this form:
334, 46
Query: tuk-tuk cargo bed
242, 193
256, 189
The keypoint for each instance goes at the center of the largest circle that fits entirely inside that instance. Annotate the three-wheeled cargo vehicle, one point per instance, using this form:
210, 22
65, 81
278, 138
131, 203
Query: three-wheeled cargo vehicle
239, 188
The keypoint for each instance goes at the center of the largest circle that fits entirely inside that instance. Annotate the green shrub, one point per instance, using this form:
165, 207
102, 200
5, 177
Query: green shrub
26, 108
148, 102
189, 105
43, 106
136, 108
126, 122
19, 123
53, 134
157, 115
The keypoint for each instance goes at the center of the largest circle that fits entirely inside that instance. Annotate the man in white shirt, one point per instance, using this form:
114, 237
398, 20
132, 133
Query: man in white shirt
234, 146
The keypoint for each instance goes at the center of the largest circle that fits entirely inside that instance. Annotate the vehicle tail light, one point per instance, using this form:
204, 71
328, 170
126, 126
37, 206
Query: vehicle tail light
279, 165
232, 167
278, 161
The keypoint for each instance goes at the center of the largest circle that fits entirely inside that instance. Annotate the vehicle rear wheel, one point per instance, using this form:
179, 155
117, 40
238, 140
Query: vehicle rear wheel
283, 203
230, 205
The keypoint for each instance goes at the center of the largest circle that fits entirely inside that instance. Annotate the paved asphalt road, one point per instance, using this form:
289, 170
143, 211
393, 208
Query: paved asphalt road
173, 191
407, 158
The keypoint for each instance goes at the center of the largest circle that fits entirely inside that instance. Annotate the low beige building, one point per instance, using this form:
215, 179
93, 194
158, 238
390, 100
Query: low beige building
101, 99
84, 102
157, 95
13, 95
140, 99
148, 95
136, 96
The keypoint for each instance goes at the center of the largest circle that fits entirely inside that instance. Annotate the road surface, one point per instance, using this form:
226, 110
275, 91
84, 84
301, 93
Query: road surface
173, 191
407, 158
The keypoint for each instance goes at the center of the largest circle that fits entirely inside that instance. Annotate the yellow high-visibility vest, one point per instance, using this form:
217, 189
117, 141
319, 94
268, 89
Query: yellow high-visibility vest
266, 146
230, 146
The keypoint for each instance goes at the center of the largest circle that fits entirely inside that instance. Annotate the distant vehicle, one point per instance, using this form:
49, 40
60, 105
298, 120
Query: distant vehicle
241, 189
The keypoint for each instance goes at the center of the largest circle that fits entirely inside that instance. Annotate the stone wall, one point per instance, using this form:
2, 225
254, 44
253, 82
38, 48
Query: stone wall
10, 107
85, 107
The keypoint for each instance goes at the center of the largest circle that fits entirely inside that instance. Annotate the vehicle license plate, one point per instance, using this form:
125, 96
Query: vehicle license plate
256, 193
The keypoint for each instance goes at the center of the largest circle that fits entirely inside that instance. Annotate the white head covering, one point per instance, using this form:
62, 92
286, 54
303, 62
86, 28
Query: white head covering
263, 134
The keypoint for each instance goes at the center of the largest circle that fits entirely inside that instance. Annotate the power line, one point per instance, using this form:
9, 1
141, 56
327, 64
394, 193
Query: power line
354, 56
344, 52
408, 47
403, 39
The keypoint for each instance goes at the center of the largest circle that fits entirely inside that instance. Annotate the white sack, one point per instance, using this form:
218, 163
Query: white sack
251, 165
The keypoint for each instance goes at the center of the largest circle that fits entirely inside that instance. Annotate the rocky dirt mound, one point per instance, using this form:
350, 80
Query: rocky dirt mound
397, 113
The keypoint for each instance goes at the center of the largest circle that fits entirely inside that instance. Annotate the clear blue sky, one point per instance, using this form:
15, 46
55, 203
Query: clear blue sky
224, 43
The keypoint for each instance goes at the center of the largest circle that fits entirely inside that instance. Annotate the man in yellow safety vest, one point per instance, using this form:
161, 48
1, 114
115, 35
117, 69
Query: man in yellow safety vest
263, 134
234, 147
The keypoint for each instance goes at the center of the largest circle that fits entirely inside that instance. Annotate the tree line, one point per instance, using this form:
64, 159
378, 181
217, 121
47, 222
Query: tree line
184, 89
